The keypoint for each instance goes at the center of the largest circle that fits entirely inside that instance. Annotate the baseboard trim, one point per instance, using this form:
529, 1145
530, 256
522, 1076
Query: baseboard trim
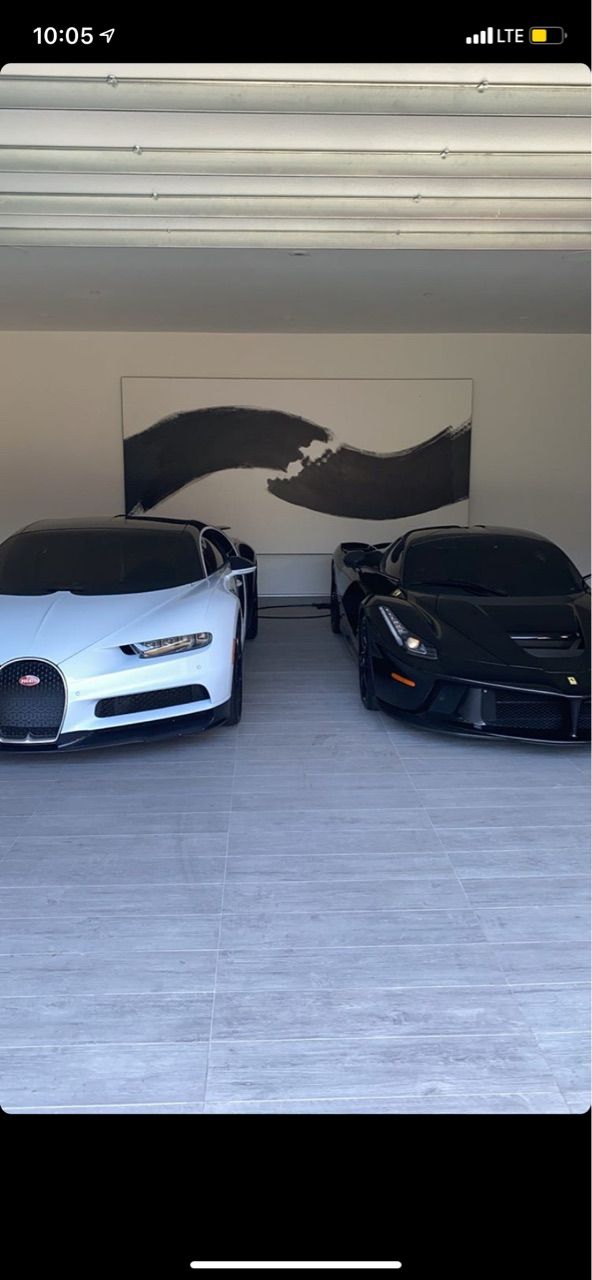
296, 601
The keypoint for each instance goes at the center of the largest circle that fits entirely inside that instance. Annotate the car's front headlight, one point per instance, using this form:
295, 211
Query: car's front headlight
173, 644
412, 643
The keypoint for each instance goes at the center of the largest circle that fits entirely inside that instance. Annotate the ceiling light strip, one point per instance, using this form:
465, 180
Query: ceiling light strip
133, 222
218, 187
112, 93
460, 72
489, 77
256, 209
258, 201
264, 133
290, 240
298, 161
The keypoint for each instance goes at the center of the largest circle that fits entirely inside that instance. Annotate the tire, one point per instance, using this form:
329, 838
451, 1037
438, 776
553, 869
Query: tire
334, 606
235, 704
253, 613
365, 669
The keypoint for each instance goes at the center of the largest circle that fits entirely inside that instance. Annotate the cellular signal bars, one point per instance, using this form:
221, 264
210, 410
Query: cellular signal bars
481, 37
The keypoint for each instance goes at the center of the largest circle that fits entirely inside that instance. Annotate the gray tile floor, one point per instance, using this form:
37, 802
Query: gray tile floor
322, 910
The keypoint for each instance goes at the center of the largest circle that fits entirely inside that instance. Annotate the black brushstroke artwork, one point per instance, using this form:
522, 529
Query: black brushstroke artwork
360, 485
345, 481
188, 446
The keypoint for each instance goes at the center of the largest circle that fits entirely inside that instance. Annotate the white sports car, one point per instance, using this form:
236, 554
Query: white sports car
121, 628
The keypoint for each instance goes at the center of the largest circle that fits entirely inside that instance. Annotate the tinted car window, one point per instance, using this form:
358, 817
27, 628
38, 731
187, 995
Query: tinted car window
221, 542
97, 561
213, 558
509, 565
393, 557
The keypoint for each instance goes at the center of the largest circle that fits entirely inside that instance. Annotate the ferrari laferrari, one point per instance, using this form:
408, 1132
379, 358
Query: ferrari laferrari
472, 630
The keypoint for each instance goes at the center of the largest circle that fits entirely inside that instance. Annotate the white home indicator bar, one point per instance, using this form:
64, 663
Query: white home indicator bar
296, 1266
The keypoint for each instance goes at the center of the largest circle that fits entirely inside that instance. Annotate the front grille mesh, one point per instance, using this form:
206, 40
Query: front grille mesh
32, 713
540, 714
152, 700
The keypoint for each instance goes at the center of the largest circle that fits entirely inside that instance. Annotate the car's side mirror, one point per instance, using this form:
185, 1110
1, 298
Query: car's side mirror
238, 566
370, 557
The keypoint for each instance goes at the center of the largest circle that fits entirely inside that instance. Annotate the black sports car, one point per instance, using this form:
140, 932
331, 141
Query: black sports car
474, 630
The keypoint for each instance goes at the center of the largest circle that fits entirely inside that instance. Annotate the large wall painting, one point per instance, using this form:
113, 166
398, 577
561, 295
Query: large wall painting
299, 464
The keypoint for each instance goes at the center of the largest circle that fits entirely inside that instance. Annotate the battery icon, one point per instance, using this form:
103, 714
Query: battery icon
546, 35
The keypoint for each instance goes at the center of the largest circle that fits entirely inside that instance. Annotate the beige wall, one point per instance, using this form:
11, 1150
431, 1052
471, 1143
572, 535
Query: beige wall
61, 430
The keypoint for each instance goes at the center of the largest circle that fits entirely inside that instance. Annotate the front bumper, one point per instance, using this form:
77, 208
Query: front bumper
124, 735
119, 700
484, 709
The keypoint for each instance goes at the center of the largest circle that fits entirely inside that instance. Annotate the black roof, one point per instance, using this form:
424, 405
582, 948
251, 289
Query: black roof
109, 522
430, 533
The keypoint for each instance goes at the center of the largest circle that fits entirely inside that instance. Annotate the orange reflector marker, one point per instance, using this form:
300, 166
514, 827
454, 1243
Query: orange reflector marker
402, 679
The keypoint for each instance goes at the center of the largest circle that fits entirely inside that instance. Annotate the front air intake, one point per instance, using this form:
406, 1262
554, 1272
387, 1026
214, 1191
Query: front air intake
153, 700
527, 712
550, 643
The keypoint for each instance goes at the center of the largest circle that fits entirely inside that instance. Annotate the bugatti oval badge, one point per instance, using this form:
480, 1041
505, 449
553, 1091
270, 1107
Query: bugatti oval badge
29, 681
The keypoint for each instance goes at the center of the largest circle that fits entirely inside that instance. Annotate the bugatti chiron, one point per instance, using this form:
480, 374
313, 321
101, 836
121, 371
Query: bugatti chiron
474, 630
121, 628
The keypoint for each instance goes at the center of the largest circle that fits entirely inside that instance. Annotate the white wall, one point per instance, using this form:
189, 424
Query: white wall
61, 450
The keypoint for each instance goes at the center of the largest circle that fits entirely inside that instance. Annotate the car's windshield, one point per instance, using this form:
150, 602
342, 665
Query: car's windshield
97, 561
503, 565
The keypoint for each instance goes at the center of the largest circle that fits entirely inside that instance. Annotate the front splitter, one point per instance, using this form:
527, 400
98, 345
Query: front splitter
149, 731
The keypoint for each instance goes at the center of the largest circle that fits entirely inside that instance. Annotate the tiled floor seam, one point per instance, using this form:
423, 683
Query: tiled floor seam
352, 1036
381, 1097
111, 1106
493, 1093
346, 1036
339, 946
357, 879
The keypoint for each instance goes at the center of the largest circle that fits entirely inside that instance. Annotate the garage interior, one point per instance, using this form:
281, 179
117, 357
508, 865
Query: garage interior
322, 909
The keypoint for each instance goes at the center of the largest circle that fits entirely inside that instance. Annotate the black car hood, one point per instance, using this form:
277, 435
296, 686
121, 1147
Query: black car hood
488, 624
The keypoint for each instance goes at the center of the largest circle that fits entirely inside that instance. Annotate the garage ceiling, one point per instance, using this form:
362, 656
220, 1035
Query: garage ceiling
283, 191
270, 290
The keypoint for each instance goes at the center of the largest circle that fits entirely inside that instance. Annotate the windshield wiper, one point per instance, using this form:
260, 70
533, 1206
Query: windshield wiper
477, 587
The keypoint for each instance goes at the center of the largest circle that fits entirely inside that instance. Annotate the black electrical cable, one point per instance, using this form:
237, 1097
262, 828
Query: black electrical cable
300, 617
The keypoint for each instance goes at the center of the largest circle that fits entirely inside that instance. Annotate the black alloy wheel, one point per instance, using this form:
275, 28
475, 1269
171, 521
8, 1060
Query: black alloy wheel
235, 705
365, 668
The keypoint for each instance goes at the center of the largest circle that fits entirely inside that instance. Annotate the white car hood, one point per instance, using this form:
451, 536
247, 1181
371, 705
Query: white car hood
60, 625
